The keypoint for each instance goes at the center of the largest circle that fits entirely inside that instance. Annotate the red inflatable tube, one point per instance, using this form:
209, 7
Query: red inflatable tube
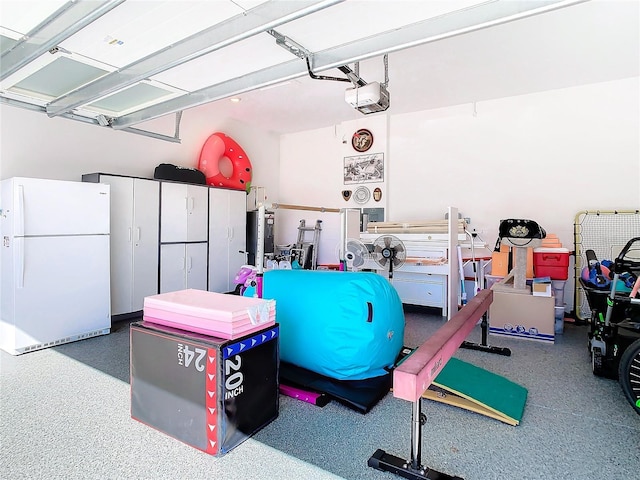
217, 148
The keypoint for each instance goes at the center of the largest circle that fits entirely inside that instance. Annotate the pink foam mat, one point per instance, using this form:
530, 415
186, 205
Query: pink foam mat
207, 304
217, 314
227, 331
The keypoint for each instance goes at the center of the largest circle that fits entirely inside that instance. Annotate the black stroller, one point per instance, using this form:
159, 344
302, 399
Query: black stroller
614, 329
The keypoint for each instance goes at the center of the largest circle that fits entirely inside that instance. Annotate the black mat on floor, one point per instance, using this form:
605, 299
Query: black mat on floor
360, 395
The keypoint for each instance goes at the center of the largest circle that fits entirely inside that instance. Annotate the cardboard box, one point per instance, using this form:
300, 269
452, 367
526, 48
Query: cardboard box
207, 392
523, 316
541, 288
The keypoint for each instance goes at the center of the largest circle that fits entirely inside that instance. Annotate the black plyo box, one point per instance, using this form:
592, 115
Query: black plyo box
207, 392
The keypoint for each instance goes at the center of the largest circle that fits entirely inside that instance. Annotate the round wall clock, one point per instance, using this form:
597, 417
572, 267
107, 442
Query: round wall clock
362, 140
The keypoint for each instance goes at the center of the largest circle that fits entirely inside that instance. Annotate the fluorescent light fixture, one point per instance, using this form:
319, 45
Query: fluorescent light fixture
6, 42
139, 95
235, 99
54, 74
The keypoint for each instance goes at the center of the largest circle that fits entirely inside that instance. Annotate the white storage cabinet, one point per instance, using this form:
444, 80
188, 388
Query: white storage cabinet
183, 211
227, 237
420, 289
183, 265
184, 225
134, 239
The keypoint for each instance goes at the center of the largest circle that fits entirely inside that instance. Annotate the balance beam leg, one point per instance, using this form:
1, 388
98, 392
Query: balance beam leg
484, 346
416, 436
413, 468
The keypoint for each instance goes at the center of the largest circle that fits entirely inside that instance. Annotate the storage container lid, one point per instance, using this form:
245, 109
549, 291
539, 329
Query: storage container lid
550, 250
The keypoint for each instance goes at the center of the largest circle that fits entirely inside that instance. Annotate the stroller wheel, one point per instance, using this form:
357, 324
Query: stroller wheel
629, 374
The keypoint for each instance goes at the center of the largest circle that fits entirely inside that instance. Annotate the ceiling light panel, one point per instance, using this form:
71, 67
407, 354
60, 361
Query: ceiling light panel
227, 63
52, 75
353, 20
137, 29
10, 34
6, 42
57, 78
22, 16
140, 95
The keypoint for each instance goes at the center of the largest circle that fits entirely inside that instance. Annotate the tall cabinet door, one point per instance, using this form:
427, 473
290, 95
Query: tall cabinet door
134, 241
184, 210
120, 239
238, 240
227, 237
197, 213
146, 219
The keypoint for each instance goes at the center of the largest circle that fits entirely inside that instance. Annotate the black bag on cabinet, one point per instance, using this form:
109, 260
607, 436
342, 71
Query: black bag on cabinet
167, 171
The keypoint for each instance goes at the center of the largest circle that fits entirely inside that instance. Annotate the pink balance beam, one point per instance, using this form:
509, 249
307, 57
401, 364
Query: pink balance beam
414, 375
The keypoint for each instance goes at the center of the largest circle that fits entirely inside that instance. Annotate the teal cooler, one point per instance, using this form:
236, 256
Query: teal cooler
207, 392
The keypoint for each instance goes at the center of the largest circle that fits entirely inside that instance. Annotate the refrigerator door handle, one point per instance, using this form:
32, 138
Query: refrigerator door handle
19, 226
19, 249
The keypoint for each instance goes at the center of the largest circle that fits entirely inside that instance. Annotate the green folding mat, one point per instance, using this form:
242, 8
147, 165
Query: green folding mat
473, 388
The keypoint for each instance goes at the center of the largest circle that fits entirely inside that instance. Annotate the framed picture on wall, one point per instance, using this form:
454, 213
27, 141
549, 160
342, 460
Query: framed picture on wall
364, 168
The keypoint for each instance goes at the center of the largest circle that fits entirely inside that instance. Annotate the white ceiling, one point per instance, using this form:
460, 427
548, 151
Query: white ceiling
581, 43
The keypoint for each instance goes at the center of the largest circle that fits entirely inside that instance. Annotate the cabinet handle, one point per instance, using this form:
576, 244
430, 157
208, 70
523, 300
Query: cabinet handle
129, 234
189, 264
186, 203
138, 234
229, 233
191, 204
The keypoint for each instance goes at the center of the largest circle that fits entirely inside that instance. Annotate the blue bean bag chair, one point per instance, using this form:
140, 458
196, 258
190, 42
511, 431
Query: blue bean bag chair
344, 325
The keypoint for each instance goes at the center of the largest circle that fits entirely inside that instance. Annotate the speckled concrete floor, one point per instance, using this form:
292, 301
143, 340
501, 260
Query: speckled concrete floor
64, 413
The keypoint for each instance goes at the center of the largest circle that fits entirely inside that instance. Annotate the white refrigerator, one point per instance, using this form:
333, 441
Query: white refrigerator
54, 263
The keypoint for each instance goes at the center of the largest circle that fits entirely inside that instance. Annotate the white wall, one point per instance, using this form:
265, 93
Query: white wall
311, 174
544, 156
308, 177
34, 145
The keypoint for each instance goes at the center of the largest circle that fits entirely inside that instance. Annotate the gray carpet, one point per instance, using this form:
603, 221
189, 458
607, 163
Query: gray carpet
65, 414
